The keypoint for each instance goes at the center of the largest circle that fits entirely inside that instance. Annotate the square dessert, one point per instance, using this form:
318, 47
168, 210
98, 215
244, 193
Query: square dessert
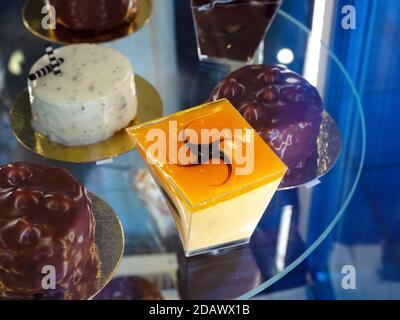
216, 173
233, 29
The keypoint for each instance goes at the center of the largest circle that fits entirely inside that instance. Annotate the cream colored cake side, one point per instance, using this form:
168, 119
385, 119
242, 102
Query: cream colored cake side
86, 123
228, 221
231, 220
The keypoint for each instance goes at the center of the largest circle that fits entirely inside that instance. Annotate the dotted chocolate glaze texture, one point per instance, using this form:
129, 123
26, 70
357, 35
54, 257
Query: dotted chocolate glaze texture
281, 106
45, 219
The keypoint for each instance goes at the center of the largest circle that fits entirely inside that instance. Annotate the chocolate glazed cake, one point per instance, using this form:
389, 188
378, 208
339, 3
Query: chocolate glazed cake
93, 15
281, 106
45, 220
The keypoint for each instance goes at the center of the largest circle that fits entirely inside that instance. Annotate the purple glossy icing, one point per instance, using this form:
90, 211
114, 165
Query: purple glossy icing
281, 106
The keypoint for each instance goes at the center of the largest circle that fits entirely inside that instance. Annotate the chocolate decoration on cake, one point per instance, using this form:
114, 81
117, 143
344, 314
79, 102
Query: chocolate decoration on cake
232, 29
280, 105
45, 220
129, 288
206, 152
55, 64
93, 15
43, 71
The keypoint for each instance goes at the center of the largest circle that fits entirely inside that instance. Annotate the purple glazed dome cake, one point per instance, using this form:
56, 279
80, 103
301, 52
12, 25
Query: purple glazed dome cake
282, 107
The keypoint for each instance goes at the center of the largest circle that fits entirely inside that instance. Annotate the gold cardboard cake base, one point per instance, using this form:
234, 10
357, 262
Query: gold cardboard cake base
149, 108
109, 239
32, 18
109, 248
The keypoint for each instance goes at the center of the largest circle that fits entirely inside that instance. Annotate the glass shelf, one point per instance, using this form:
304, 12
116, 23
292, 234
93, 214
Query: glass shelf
164, 52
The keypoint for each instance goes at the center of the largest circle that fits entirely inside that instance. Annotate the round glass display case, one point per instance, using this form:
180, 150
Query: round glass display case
164, 52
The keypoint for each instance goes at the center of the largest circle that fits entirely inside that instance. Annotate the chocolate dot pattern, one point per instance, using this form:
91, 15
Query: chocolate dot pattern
43, 213
280, 105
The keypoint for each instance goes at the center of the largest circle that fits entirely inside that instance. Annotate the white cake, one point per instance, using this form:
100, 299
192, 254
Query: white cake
93, 98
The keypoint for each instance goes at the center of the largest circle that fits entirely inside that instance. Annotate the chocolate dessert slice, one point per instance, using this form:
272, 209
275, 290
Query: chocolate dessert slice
232, 29
209, 193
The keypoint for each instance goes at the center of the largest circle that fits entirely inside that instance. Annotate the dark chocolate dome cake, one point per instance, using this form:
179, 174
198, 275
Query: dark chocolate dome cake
46, 219
284, 108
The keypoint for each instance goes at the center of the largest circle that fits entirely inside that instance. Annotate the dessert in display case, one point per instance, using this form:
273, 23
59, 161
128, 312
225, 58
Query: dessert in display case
79, 113
233, 167
216, 173
85, 21
287, 112
47, 224
233, 30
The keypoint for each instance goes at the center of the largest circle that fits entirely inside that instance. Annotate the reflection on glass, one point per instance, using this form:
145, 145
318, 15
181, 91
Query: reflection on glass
226, 275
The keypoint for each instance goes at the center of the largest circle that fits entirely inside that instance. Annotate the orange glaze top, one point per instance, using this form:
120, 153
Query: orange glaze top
249, 161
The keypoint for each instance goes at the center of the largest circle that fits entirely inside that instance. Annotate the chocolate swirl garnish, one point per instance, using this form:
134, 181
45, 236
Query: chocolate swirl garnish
206, 152
43, 71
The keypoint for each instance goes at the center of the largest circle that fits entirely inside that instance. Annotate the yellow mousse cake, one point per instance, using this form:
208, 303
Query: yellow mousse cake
216, 173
